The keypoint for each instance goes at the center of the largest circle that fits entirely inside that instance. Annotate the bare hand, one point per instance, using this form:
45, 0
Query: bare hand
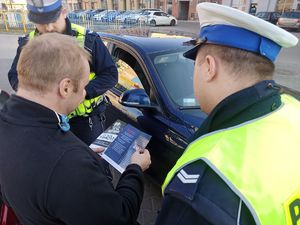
141, 158
98, 149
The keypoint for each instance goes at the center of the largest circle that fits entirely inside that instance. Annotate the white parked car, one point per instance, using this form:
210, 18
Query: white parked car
158, 18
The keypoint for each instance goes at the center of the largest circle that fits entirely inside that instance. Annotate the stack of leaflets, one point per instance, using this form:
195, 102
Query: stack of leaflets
120, 141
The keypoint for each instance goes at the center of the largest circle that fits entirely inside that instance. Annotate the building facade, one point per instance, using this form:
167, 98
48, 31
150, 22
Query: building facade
287, 5
185, 9
181, 9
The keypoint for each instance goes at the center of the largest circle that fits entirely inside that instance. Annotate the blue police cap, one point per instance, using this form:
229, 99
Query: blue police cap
230, 27
43, 11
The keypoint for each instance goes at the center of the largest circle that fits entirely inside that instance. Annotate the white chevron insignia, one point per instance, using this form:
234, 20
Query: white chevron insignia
187, 178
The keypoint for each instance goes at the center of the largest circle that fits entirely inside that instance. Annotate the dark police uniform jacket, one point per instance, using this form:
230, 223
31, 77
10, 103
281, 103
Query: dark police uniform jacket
49, 176
210, 201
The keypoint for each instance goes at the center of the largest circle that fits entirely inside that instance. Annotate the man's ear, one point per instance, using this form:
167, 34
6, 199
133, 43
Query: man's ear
65, 87
211, 67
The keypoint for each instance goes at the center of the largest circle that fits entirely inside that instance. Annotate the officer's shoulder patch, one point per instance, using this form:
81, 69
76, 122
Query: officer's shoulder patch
292, 209
185, 183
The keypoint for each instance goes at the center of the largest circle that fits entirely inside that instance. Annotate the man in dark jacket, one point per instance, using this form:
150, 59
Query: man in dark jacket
88, 119
47, 175
242, 166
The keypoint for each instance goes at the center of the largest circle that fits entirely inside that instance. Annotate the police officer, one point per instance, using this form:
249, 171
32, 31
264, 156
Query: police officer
242, 166
88, 119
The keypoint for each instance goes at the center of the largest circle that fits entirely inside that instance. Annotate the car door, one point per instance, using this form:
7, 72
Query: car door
157, 18
166, 144
165, 18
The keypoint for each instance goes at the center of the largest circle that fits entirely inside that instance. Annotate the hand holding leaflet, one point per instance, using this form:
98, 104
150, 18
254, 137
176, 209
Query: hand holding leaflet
141, 158
120, 142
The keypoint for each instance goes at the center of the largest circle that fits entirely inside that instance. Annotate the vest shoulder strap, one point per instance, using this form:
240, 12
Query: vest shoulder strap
89, 36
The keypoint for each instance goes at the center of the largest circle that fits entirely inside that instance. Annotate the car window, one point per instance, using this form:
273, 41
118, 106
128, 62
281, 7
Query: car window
176, 74
157, 13
262, 15
293, 15
275, 15
128, 78
164, 14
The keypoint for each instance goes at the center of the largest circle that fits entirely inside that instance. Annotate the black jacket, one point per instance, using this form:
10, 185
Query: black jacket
102, 64
51, 177
211, 201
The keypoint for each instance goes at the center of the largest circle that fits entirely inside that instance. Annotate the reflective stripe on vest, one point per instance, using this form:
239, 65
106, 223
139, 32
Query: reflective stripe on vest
86, 107
259, 161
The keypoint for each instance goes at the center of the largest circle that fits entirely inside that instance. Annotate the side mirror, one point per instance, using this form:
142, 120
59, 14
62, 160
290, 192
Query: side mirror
136, 98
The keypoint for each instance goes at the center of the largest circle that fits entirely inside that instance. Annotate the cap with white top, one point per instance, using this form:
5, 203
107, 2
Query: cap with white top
226, 26
44, 11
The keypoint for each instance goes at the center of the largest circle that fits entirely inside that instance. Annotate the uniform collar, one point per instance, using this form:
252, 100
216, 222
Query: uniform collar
242, 106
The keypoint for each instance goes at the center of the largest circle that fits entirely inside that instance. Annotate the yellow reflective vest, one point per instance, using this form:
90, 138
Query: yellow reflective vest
86, 107
259, 160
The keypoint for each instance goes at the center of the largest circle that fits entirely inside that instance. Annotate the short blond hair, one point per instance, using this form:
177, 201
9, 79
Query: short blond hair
240, 62
49, 58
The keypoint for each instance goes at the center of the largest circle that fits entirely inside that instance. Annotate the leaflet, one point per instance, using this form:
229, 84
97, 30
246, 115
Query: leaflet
120, 141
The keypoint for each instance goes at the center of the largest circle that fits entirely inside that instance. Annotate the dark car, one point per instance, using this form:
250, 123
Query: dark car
271, 17
155, 94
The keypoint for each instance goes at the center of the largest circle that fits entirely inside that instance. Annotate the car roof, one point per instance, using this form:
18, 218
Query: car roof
156, 11
152, 9
149, 45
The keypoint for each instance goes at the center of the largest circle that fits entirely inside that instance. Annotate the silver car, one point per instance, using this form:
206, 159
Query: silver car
290, 20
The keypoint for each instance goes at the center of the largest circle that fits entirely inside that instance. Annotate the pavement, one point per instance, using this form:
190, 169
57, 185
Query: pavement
151, 202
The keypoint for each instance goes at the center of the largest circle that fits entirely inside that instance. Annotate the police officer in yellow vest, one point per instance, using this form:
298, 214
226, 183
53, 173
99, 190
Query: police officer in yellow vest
242, 166
87, 121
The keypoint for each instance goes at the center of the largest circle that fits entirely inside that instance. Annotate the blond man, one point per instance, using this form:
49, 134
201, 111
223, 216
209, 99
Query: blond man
47, 175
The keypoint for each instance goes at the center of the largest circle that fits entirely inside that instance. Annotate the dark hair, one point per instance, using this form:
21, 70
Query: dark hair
240, 61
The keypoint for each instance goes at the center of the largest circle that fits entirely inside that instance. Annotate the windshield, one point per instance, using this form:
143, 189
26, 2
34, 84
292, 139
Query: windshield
291, 15
176, 74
